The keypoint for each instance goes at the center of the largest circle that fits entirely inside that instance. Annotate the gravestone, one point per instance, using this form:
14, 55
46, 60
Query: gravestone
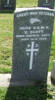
46, 3
7, 5
31, 44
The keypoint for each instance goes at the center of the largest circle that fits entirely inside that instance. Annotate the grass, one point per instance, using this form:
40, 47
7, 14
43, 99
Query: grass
6, 38
26, 3
52, 53
28, 93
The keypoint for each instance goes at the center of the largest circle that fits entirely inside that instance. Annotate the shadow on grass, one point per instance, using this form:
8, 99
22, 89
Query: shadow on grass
37, 92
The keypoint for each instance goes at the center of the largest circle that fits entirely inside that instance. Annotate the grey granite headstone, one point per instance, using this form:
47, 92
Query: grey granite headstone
46, 3
7, 5
31, 45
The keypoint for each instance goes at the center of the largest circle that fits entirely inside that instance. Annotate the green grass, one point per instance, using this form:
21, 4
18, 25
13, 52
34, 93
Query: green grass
26, 3
27, 93
52, 53
6, 38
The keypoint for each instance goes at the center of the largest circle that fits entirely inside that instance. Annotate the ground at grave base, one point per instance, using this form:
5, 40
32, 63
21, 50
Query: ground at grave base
40, 92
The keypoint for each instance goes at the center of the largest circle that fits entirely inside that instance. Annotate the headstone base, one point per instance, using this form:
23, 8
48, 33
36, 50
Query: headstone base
27, 83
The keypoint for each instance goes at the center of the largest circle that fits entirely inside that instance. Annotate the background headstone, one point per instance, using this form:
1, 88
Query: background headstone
31, 46
7, 5
46, 3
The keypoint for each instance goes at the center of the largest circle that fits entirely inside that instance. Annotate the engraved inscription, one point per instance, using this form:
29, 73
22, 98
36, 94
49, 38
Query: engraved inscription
7, 4
33, 33
35, 29
45, 13
8, 1
32, 50
46, 1
32, 20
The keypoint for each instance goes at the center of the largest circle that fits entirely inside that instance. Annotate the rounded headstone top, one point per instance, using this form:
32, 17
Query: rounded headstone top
34, 8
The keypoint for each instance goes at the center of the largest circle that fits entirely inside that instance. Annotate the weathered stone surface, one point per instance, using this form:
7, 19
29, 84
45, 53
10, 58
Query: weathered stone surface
46, 3
7, 5
31, 46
